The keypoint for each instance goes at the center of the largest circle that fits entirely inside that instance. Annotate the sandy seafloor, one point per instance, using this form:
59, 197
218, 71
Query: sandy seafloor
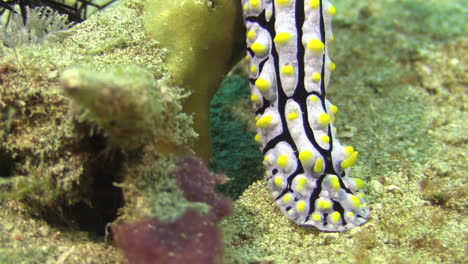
401, 89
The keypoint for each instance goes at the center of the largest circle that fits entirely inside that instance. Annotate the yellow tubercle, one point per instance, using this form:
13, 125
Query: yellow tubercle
255, 4
324, 119
332, 10
292, 116
283, 161
319, 165
335, 183
253, 69
359, 183
258, 138
334, 109
258, 49
317, 217
283, 2
315, 45
251, 34
301, 206
288, 70
282, 38
350, 160
306, 156
349, 150
264, 121
316, 77
287, 198
355, 201
323, 204
335, 217
301, 182
326, 139
255, 98
314, 98
314, 4
332, 66
262, 84
278, 181
245, 7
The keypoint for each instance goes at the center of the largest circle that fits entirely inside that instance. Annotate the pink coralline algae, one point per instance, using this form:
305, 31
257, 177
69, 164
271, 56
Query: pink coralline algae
199, 185
193, 238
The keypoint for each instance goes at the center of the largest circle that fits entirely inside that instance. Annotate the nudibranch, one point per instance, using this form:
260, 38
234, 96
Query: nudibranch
307, 168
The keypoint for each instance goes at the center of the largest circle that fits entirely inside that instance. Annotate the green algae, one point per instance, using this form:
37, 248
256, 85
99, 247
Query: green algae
234, 152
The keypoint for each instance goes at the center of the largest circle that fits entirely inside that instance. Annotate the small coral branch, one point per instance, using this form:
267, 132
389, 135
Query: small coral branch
129, 105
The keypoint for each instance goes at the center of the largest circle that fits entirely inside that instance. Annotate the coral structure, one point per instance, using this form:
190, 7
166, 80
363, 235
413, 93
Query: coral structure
201, 54
306, 166
199, 185
193, 237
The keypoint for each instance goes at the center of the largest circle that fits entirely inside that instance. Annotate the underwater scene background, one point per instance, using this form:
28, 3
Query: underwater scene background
127, 134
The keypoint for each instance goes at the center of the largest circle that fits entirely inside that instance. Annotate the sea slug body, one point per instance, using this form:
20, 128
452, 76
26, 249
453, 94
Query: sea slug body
307, 168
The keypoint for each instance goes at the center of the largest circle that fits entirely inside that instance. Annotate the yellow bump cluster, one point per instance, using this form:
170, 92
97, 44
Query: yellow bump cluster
283, 161
315, 45
324, 119
262, 84
301, 206
264, 121
301, 183
316, 77
314, 4
288, 70
319, 165
282, 38
293, 115
350, 160
324, 205
258, 49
